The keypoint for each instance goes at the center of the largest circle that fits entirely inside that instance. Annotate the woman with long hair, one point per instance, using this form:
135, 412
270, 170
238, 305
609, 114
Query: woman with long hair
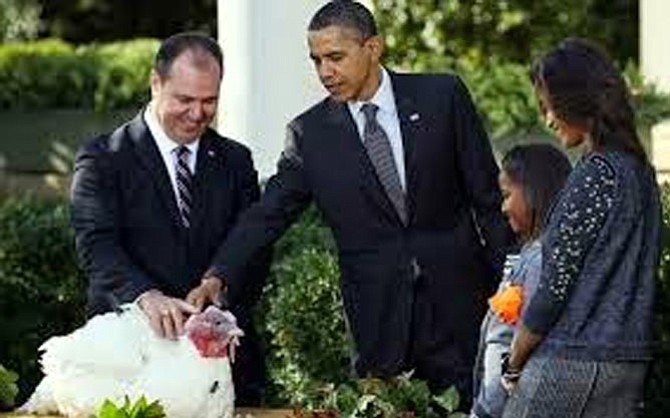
584, 341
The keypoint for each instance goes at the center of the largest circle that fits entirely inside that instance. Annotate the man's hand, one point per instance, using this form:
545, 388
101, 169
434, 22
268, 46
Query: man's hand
166, 314
209, 290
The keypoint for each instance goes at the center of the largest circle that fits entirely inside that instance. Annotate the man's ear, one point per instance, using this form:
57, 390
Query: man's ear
156, 83
376, 45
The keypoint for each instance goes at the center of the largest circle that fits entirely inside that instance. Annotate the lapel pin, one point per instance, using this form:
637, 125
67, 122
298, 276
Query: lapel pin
211, 153
414, 117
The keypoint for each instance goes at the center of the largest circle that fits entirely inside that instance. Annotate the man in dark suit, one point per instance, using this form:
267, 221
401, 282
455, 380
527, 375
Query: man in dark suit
153, 201
404, 175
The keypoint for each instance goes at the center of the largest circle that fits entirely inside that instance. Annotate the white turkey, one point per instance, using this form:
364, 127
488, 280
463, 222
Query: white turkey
117, 354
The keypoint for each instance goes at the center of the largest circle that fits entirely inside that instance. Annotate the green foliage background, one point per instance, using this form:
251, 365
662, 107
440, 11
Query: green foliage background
42, 292
52, 73
431, 34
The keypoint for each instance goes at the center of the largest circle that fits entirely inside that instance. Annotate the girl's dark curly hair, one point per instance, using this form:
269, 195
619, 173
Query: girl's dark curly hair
583, 87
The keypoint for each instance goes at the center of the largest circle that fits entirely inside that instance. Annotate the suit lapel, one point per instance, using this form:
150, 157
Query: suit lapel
148, 154
205, 179
345, 126
409, 119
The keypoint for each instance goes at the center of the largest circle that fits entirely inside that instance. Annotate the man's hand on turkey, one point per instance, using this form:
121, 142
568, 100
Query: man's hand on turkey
166, 315
210, 290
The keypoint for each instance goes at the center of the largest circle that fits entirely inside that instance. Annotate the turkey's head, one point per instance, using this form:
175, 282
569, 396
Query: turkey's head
213, 331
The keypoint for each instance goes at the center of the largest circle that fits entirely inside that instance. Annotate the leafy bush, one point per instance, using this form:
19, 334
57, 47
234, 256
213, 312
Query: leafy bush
139, 409
42, 74
302, 314
429, 33
658, 384
53, 73
123, 73
19, 19
398, 397
504, 96
8, 388
41, 289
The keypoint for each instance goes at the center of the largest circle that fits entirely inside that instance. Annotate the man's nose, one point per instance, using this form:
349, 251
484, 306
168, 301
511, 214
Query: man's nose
326, 72
197, 111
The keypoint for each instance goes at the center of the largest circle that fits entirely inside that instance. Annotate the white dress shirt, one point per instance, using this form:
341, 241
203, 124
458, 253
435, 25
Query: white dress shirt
387, 117
168, 148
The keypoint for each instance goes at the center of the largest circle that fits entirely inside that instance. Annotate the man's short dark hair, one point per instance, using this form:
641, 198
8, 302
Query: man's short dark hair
345, 14
175, 45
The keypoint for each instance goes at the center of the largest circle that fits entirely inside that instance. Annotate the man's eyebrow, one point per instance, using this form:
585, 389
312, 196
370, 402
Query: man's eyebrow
326, 55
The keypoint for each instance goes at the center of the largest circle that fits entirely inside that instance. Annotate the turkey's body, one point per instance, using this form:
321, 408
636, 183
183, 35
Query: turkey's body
118, 355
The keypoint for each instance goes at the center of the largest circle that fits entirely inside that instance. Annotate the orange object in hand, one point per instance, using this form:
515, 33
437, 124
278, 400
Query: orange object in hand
506, 303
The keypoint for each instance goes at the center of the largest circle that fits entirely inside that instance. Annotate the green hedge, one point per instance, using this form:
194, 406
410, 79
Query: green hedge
41, 289
301, 314
658, 385
52, 73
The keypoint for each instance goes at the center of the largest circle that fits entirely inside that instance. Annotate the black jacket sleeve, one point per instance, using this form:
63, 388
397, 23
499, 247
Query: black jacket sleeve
285, 196
95, 217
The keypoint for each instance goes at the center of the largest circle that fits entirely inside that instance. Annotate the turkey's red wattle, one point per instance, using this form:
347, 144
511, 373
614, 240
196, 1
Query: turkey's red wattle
208, 343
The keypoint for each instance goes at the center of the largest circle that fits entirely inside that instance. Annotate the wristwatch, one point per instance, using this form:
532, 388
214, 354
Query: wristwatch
508, 373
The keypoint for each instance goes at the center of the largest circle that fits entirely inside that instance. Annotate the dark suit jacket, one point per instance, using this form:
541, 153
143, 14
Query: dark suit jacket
128, 231
432, 317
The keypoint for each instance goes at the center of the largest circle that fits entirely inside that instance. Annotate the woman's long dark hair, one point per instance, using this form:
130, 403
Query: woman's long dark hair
583, 87
541, 171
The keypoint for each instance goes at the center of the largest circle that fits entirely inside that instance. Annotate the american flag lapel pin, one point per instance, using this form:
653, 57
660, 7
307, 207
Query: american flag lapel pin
414, 117
211, 153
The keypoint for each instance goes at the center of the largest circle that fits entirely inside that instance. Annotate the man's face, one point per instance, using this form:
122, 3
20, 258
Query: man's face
347, 64
185, 100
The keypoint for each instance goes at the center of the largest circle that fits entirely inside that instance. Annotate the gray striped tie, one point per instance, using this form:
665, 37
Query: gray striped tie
184, 185
379, 151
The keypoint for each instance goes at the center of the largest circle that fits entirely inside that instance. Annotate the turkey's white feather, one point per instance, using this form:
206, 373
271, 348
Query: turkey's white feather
117, 355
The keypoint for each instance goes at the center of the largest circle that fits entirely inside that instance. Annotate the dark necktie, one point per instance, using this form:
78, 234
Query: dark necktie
379, 151
184, 185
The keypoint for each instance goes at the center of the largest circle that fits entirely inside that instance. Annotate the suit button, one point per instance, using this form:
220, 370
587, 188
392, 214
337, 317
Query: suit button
416, 270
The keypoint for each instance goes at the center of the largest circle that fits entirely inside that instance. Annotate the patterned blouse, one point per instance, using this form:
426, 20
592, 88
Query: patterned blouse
600, 258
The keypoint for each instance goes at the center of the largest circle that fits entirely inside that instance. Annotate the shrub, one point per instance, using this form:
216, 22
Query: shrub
123, 73
140, 409
302, 314
42, 74
52, 73
8, 388
41, 289
658, 384
504, 96
399, 397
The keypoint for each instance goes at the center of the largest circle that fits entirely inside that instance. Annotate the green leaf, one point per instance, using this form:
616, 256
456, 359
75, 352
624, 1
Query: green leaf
110, 410
140, 409
8, 387
449, 399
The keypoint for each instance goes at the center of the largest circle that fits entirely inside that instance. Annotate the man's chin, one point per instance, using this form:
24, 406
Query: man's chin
189, 135
340, 98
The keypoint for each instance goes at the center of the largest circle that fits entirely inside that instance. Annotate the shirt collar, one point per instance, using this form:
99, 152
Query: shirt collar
383, 97
165, 144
